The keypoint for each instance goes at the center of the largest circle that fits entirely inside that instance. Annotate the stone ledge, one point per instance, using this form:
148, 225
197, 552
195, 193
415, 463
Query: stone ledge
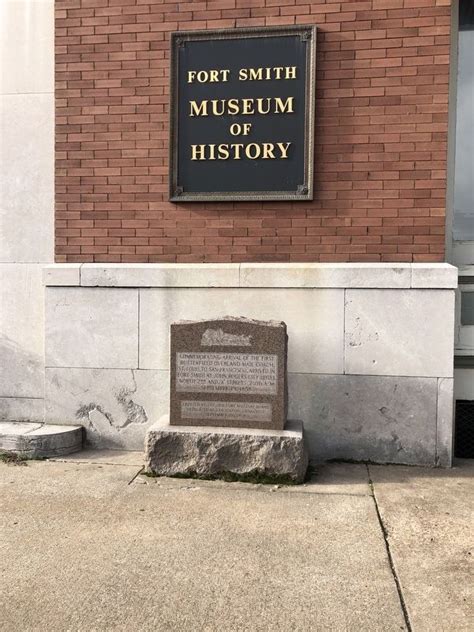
62, 274
39, 440
205, 452
255, 275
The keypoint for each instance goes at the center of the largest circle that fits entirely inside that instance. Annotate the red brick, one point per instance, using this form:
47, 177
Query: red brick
381, 136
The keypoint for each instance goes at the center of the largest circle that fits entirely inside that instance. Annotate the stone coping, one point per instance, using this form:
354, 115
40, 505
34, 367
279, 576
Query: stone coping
254, 275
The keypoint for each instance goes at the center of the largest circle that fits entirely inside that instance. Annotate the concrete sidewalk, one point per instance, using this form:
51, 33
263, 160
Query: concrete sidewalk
88, 543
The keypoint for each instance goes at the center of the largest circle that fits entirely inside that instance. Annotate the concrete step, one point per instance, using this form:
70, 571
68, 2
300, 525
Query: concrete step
37, 440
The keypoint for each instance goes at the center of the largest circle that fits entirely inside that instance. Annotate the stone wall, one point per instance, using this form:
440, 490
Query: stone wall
26, 199
370, 356
380, 142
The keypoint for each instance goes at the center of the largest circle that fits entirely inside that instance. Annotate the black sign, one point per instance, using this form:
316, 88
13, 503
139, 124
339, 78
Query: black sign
242, 109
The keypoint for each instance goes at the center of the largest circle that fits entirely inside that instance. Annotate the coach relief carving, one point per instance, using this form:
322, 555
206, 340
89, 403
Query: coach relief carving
217, 338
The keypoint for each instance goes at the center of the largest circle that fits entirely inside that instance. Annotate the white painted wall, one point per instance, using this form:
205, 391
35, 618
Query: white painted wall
26, 199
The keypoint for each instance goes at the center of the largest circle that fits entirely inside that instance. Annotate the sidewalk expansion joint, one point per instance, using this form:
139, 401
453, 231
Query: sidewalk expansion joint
389, 555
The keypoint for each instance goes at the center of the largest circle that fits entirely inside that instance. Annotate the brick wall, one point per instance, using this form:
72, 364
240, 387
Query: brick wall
381, 135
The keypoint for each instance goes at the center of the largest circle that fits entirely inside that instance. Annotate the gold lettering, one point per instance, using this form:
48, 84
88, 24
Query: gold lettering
237, 151
198, 110
252, 155
278, 70
223, 152
237, 147
267, 73
198, 150
213, 76
283, 147
260, 106
233, 106
282, 106
215, 109
268, 150
247, 106
255, 74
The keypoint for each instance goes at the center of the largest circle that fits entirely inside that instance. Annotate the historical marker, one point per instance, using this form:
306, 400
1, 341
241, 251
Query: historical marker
228, 372
242, 109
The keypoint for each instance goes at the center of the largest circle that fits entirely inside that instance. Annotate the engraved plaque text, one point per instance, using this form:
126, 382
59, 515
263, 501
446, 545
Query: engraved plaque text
249, 373
241, 411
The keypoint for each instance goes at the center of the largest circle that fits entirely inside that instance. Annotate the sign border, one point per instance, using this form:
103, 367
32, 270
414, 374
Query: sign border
305, 190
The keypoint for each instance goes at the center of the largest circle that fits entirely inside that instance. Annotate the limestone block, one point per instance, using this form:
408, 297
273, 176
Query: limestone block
115, 406
314, 320
22, 409
40, 440
27, 168
91, 328
160, 275
444, 441
212, 452
326, 275
63, 274
27, 46
433, 275
399, 332
21, 331
366, 418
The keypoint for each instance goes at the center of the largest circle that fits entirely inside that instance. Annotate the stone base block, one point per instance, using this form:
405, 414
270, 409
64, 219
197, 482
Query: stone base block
239, 453
36, 440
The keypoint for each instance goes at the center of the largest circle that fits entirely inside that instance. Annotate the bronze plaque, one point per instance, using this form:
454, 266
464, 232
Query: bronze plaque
242, 114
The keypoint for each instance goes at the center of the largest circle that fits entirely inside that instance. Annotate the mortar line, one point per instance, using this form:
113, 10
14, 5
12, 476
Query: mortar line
389, 555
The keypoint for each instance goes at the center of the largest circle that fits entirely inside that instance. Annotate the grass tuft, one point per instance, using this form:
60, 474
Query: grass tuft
12, 458
255, 477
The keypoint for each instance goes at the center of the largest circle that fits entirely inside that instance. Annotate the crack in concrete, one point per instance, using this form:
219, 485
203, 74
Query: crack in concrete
389, 555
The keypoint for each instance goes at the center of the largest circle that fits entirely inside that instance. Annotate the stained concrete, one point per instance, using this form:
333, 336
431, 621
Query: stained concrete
91, 546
